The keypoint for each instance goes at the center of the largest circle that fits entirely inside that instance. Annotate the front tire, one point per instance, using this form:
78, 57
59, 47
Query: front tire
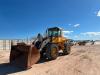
52, 51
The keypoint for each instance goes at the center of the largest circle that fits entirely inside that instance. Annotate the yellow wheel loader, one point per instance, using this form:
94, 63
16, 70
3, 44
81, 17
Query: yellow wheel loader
48, 48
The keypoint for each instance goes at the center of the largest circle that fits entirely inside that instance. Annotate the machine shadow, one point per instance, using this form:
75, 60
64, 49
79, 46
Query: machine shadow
6, 68
42, 61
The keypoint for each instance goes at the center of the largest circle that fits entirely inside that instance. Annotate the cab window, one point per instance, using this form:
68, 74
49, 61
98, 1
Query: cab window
54, 33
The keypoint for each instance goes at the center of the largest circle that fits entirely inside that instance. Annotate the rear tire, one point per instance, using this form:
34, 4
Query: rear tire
67, 49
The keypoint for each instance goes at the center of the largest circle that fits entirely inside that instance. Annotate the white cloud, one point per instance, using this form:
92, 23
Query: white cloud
76, 36
69, 24
67, 32
76, 25
98, 14
82, 36
66, 36
91, 33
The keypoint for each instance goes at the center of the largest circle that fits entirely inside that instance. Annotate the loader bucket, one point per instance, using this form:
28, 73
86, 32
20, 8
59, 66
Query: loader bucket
24, 56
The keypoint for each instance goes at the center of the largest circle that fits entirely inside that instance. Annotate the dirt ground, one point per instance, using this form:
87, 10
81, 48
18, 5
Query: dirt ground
83, 60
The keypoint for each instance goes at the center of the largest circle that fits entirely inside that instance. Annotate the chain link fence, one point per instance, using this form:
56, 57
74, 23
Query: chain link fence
6, 44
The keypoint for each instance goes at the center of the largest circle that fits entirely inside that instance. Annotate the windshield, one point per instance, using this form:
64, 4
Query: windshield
54, 33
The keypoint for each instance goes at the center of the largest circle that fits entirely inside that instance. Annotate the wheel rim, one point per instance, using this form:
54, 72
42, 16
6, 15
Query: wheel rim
54, 52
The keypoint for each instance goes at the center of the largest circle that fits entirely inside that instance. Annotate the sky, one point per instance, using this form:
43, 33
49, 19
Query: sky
80, 19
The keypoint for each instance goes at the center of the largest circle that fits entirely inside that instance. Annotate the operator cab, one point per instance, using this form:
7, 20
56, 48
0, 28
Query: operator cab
54, 32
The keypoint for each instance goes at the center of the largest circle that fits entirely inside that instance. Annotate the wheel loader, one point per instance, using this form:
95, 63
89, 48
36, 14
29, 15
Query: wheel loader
46, 47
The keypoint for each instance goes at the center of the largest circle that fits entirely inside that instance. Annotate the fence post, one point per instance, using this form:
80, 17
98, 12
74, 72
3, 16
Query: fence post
4, 44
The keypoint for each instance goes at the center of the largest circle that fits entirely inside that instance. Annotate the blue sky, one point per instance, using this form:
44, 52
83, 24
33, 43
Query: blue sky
80, 19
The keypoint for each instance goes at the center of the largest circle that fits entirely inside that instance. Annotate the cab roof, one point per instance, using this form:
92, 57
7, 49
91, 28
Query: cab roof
55, 28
